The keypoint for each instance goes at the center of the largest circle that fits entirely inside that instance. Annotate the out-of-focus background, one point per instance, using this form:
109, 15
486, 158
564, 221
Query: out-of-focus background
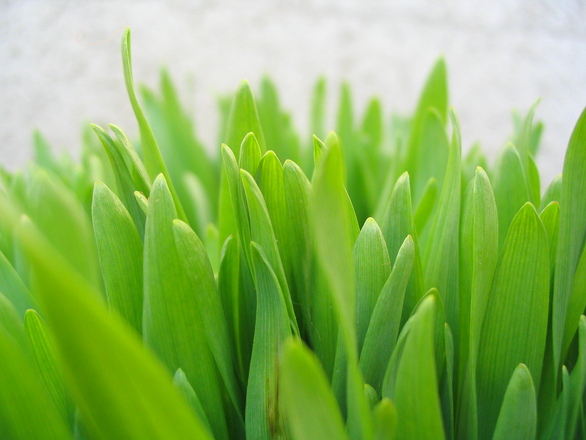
60, 61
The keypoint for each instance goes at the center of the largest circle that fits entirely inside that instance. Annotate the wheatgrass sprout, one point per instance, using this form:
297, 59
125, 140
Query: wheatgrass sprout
370, 283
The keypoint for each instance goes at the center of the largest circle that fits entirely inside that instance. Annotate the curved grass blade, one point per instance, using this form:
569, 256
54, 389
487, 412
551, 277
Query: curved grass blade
518, 415
372, 267
152, 155
571, 236
182, 384
192, 255
416, 390
122, 390
263, 419
172, 324
308, 403
44, 356
384, 325
519, 295
442, 251
12, 286
120, 253
27, 411
385, 420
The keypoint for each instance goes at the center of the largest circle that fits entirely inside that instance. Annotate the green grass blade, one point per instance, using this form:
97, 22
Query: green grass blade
120, 253
396, 226
384, 325
518, 416
182, 384
385, 420
571, 235
172, 324
262, 232
196, 264
442, 252
372, 267
550, 217
510, 188
28, 411
272, 328
426, 205
250, 154
12, 286
243, 119
553, 192
416, 391
122, 390
152, 155
43, 352
308, 403
519, 295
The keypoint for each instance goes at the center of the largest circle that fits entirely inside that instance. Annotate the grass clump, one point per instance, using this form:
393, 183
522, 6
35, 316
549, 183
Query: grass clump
367, 284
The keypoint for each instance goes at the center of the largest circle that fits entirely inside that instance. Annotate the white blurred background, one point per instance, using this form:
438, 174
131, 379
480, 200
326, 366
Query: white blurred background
60, 61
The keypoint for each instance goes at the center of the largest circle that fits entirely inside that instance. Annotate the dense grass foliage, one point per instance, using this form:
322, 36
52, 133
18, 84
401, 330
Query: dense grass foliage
368, 284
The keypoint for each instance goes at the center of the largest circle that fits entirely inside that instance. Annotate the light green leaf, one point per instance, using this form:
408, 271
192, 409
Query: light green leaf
26, 409
416, 390
12, 286
396, 226
195, 262
372, 267
43, 353
182, 384
385, 420
510, 188
383, 328
272, 328
152, 155
122, 390
172, 324
120, 252
518, 416
519, 295
442, 252
307, 399
571, 237
243, 119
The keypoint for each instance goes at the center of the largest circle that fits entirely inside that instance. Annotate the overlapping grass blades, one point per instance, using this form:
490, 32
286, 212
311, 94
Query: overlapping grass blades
365, 284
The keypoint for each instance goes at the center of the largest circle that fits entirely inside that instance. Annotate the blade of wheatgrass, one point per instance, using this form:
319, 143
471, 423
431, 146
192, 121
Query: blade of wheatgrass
152, 155
56, 211
550, 217
372, 267
335, 227
577, 382
426, 205
120, 253
263, 420
577, 301
435, 96
43, 353
553, 192
510, 188
519, 294
416, 391
297, 195
250, 154
122, 390
262, 232
270, 181
442, 252
570, 240
27, 409
182, 384
518, 414
383, 328
307, 400
396, 226
434, 150
196, 264
12, 286
127, 181
172, 324
231, 297
479, 256
12, 323
385, 420
447, 383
